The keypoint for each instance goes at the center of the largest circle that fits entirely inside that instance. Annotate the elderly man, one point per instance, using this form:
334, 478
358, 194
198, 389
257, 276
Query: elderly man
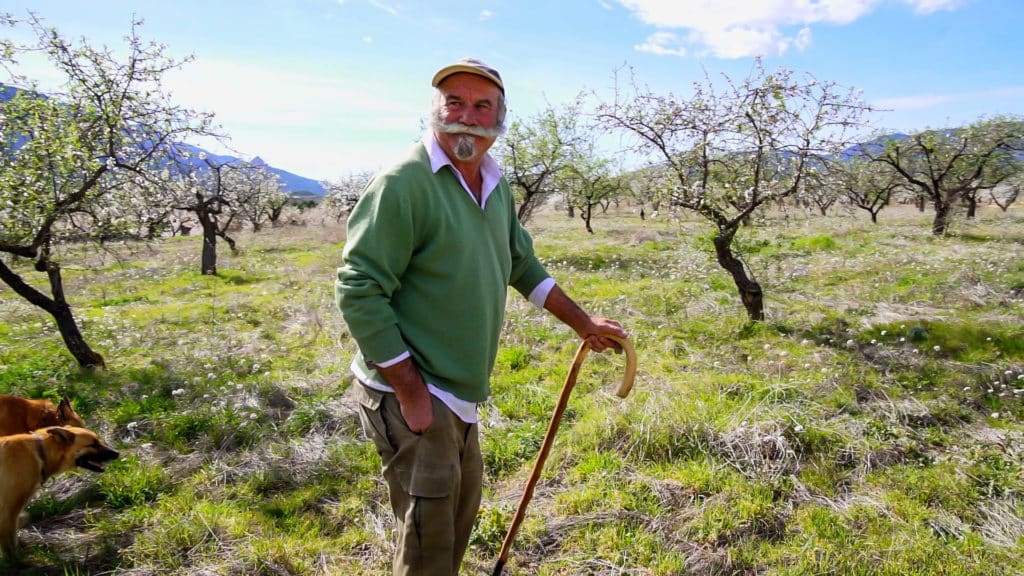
433, 245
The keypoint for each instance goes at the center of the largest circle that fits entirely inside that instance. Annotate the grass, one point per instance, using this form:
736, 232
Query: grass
871, 425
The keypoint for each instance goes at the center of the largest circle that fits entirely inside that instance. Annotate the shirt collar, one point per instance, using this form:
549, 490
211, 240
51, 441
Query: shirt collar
489, 169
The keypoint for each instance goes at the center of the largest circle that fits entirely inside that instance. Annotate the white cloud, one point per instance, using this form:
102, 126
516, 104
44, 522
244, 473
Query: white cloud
723, 14
662, 43
389, 9
485, 15
917, 102
739, 28
803, 39
929, 6
924, 101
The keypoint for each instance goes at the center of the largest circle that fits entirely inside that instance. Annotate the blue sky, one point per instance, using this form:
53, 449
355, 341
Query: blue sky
324, 88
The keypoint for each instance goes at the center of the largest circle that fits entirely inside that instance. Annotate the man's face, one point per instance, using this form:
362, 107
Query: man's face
467, 119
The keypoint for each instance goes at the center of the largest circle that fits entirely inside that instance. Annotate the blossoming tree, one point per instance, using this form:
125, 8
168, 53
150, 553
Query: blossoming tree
67, 157
733, 147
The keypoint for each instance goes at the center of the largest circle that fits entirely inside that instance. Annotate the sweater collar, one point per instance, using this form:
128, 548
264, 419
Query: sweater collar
438, 159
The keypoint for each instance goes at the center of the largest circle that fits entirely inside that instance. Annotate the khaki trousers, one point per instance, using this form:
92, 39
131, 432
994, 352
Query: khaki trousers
434, 482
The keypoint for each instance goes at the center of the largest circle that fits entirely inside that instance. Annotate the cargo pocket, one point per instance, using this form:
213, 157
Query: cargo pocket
427, 480
370, 416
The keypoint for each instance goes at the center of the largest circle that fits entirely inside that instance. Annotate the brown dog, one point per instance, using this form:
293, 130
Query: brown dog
27, 460
19, 415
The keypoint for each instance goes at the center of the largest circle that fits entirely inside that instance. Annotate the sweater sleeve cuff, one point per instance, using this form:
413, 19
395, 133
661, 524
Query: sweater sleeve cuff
539, 295
393, 361
382, 346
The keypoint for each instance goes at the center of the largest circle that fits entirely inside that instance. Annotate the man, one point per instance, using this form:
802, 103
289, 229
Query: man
433, 245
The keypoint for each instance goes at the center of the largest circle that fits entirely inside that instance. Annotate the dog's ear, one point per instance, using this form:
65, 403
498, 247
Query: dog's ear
64, 408
64, 435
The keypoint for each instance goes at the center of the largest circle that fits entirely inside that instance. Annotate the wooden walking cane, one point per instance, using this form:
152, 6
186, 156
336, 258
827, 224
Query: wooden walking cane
556, 417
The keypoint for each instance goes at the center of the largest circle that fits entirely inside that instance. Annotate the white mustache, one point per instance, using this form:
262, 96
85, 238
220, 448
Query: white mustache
459, 128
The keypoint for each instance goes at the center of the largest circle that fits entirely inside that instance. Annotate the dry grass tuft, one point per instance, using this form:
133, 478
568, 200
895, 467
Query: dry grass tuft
760, 451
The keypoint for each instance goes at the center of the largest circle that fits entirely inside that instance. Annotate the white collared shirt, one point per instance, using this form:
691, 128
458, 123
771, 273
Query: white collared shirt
489, 169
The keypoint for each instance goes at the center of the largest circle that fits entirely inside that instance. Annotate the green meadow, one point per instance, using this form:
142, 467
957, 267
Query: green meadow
873, 424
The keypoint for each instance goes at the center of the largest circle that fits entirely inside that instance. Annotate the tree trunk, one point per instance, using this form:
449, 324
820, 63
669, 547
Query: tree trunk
972, 206
874, 217
941, 221
208, 266
920, 202
749, 289
58, 308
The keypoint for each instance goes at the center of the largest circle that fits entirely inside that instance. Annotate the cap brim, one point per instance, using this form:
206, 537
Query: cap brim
457, 68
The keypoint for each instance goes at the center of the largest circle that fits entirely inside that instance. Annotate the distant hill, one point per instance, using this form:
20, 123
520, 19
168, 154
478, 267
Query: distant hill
870, 147
294, 184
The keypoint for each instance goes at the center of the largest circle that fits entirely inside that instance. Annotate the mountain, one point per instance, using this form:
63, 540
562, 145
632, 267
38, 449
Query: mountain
298, 185
294, 184
870, 147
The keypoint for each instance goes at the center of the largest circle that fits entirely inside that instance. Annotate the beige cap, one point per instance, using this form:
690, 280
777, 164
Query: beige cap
471, 66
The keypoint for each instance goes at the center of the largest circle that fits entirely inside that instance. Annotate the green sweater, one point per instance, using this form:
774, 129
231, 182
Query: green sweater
426, 269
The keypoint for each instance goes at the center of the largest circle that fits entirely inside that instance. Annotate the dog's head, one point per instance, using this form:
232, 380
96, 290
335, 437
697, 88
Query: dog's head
61, 415
74, 446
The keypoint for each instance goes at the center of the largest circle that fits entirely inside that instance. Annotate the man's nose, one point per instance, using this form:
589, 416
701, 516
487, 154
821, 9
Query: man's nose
467, 116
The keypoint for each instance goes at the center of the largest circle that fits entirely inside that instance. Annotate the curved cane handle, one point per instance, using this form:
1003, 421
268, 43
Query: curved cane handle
627, 379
